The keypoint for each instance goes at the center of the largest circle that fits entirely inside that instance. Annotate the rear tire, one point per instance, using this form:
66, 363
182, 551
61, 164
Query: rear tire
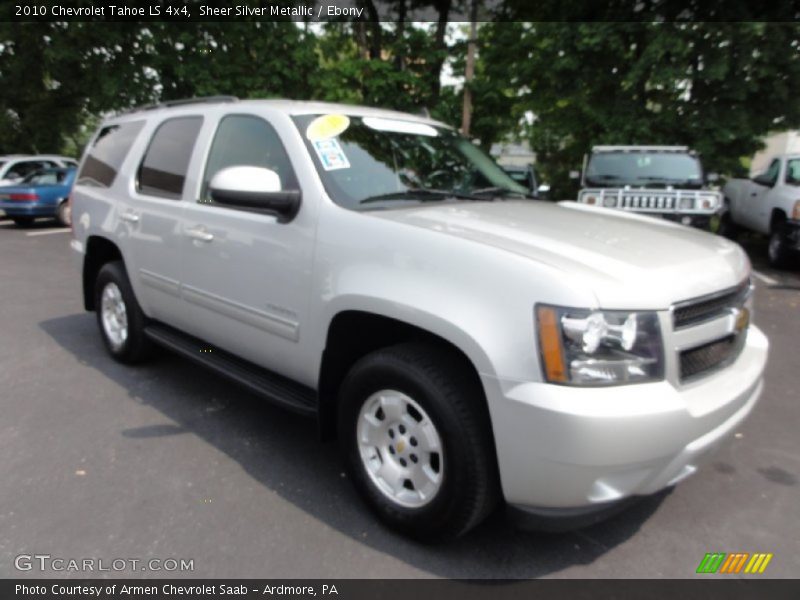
64, 214
416, 441
23, 221
119, 316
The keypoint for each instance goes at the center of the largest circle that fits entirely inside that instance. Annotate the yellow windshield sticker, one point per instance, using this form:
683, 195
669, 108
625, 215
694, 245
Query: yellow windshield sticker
326, 127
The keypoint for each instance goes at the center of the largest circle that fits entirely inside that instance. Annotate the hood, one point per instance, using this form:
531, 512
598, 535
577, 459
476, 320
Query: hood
628, 261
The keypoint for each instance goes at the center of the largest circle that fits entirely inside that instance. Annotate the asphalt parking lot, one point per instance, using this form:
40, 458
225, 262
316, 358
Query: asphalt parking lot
167, 461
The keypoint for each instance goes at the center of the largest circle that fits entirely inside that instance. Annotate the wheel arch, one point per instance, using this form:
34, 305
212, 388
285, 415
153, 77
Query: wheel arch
777, 218
373, 332
99, 251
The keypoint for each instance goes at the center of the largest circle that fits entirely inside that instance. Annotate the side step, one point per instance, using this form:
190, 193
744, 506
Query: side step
275, 388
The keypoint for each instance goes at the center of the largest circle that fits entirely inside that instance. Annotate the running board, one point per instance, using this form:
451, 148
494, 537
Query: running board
275, 388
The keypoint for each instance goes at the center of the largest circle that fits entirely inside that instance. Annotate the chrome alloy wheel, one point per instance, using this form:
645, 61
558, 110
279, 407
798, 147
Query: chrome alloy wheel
114, 315
400, 448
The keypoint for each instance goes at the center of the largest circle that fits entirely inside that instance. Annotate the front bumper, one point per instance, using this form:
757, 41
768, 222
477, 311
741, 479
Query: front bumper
583, 449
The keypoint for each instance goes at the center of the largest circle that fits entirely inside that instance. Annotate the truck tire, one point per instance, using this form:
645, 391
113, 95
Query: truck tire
416, 440
727, 228
119, 316
64, 214
779, 252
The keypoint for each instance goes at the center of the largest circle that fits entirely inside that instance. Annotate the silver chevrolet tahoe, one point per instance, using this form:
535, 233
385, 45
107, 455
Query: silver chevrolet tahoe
468, 347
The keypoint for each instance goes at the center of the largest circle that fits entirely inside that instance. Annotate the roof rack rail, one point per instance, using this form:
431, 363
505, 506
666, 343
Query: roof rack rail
181, 102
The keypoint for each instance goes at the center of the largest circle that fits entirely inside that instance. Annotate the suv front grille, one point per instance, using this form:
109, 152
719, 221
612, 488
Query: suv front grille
713, 355
696, 311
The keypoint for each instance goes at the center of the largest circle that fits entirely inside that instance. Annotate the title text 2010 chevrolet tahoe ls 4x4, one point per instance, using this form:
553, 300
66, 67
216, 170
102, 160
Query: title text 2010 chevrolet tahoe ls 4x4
465, 344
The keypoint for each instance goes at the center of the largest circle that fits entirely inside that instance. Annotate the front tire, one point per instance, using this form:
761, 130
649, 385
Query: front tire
416, 441
779, 252
727, 228
119, 316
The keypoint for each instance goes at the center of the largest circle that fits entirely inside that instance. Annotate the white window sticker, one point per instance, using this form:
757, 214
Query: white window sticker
331, 155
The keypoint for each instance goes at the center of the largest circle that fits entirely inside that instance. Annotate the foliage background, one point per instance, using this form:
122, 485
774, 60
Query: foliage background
562, 86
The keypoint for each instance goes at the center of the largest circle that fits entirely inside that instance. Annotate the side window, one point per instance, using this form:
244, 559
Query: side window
246, 140
107, 152
166, 160
793, 171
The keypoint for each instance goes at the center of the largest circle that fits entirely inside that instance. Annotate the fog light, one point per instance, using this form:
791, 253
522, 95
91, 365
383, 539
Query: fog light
686, 220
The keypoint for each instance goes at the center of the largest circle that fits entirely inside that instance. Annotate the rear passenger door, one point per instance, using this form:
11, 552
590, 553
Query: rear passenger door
150, 217
246, 277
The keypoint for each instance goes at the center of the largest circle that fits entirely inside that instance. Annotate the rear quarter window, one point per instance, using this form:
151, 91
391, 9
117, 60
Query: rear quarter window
166, 161
107, 153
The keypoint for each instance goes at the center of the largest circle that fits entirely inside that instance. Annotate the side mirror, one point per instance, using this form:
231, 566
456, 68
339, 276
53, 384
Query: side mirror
256, 189
762, 179
574, 174
712, 177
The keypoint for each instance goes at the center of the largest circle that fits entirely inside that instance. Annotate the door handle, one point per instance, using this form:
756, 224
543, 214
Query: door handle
753, 194
129, 216
200, 234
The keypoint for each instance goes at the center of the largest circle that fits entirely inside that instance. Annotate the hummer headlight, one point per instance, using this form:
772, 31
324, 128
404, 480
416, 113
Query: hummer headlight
584, 347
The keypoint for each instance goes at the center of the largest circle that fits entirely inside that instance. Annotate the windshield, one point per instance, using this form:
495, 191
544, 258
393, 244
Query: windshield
639, 168
370, 162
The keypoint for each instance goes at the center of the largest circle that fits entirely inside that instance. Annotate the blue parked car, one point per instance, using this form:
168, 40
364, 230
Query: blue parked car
41, 194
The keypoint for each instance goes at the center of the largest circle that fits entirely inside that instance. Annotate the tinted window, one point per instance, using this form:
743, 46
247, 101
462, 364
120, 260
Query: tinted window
163, 169
107, 152
641, 168
243, 140
771, 174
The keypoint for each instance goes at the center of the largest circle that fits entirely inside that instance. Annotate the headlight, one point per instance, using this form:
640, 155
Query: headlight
686, 203
709, 202
609, 201
796, 211
583, 347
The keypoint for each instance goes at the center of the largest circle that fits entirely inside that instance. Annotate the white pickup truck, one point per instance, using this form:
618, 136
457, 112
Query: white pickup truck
768, 203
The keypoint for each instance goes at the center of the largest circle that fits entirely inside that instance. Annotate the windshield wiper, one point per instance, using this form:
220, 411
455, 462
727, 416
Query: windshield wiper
422, 195
497, 190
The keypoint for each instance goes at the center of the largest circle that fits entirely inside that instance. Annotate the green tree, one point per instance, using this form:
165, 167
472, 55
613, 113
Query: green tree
717, 87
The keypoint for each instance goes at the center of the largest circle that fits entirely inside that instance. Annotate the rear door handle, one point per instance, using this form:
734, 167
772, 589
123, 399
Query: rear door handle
200, 234
129, 216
